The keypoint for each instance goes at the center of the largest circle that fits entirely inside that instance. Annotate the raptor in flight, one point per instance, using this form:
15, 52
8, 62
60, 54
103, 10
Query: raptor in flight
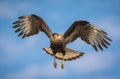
29, 25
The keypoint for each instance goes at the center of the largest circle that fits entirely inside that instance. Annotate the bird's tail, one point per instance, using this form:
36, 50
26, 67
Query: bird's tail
69, 54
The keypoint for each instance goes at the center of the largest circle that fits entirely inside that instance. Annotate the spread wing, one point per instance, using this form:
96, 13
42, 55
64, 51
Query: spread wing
89, 33
31, 24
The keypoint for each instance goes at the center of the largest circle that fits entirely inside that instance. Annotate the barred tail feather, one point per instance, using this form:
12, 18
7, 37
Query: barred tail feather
69, 54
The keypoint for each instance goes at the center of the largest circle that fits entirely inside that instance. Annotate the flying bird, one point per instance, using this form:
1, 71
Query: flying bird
29, 25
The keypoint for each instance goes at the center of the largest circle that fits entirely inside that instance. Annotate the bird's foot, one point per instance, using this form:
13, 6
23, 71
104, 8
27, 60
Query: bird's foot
62, 64
55, 64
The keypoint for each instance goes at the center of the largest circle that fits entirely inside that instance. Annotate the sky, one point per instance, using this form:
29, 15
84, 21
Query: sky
25, 59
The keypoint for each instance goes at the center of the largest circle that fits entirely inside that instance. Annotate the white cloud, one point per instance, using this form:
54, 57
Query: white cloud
100, 4
12, 10
13, 49
107, 77
111, 25
7, 11
56, 2
90, 63
37, 71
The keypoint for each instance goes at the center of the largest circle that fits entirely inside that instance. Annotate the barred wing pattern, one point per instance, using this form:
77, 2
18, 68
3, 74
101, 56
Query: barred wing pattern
89, 33
31, 24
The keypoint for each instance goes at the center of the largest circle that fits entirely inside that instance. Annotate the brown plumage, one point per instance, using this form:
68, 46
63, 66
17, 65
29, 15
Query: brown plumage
31, 24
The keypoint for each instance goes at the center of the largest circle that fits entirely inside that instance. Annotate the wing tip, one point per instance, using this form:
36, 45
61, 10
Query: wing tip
21, 17
15, 26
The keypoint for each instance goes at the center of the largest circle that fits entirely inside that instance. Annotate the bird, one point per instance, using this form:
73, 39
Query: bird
28, 25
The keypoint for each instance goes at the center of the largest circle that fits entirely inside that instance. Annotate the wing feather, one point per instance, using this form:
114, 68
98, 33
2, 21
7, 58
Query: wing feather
89, 33
29, 25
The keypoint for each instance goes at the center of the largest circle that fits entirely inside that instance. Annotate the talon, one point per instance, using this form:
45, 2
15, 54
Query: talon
62, 64
55, 64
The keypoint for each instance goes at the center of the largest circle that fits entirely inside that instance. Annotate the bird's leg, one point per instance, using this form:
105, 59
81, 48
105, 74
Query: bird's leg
55, 64
62, 64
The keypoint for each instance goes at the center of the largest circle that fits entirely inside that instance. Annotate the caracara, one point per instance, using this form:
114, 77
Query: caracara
29, 25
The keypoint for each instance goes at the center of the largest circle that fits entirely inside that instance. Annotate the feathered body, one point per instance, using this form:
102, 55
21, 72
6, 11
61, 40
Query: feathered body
57, 43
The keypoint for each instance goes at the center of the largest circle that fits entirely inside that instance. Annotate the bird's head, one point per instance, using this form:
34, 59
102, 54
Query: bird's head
55, 35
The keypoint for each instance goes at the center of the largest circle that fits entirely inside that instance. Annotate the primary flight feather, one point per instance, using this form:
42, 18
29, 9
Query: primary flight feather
29, 25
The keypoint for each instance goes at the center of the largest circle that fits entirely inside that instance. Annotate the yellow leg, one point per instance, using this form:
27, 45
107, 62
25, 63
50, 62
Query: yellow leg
55, 64
62, 64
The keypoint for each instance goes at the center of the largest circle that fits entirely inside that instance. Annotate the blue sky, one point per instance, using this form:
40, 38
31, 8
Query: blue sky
25, 59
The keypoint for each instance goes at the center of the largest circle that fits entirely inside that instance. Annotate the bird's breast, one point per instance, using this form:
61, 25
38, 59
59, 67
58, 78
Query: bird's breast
57, 44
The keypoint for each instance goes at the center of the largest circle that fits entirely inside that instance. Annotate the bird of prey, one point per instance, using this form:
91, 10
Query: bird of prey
29, 25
